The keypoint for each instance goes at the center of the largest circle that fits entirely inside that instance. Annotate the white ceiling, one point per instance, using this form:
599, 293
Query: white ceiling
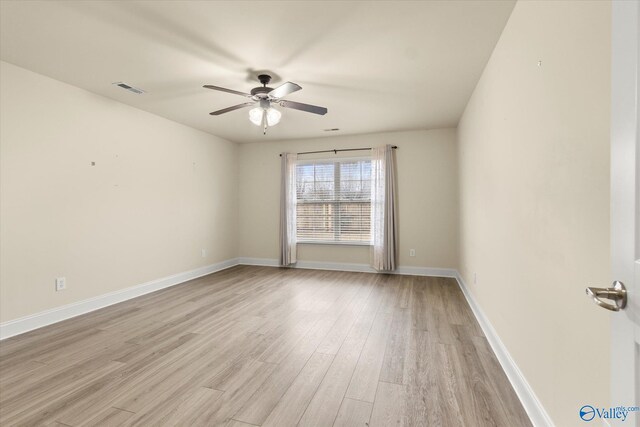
377, 66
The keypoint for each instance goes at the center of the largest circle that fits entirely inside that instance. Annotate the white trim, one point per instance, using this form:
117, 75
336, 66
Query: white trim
528, 398
265, 262
343, 266
427, 271
54, 315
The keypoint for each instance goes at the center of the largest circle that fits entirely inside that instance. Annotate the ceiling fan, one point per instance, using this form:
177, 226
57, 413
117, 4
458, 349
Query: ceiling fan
263, 97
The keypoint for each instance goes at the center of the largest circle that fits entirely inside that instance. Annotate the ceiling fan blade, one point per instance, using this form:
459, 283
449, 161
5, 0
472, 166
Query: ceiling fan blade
235, 107
284, 90
304, 107
248, 95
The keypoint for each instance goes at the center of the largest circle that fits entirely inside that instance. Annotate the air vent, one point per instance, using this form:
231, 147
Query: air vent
332, 130
129, 88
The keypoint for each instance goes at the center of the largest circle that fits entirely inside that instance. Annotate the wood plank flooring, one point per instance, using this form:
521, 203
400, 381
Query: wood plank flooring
263, 346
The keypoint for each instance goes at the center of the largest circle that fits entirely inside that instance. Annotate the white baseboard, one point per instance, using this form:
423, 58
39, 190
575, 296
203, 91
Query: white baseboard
265, 262
427, 271
343, 266
530, 402
48, 317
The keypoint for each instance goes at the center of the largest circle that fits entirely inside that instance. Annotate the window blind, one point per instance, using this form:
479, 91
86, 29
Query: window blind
334, 201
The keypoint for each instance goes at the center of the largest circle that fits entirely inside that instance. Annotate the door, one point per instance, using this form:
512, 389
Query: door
625, 210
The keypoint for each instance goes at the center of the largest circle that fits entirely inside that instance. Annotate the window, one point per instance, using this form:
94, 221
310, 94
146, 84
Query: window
334, 201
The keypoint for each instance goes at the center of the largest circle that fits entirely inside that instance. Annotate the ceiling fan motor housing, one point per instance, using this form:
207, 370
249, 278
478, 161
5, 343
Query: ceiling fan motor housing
261, 90
264, 90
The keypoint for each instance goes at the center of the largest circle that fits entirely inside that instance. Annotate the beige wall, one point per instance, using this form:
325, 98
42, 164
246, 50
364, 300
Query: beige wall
427, 192
534, 191
158, 194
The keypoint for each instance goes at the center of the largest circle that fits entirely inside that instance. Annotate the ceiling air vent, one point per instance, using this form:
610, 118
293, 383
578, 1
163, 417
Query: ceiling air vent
129, 88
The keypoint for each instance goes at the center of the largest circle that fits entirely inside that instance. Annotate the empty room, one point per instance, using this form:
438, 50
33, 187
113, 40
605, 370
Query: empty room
319, 213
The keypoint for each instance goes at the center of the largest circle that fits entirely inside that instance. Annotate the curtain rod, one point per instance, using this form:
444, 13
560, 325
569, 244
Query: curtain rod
335, 151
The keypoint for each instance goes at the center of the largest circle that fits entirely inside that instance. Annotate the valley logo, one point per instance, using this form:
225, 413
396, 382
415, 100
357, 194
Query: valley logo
588, 412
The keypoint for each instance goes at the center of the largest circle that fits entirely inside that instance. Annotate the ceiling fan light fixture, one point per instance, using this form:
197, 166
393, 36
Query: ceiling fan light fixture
255, 115
273, 116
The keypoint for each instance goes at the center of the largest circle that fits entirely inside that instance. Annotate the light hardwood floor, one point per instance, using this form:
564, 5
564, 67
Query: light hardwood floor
264, 346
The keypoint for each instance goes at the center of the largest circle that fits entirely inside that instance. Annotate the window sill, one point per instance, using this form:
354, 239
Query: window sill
307, 242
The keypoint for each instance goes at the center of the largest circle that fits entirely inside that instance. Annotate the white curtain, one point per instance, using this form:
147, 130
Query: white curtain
384, 216
288, 209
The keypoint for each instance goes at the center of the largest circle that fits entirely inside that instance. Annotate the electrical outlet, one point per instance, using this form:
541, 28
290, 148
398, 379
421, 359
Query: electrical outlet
204, 253
412, 252
61, 283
